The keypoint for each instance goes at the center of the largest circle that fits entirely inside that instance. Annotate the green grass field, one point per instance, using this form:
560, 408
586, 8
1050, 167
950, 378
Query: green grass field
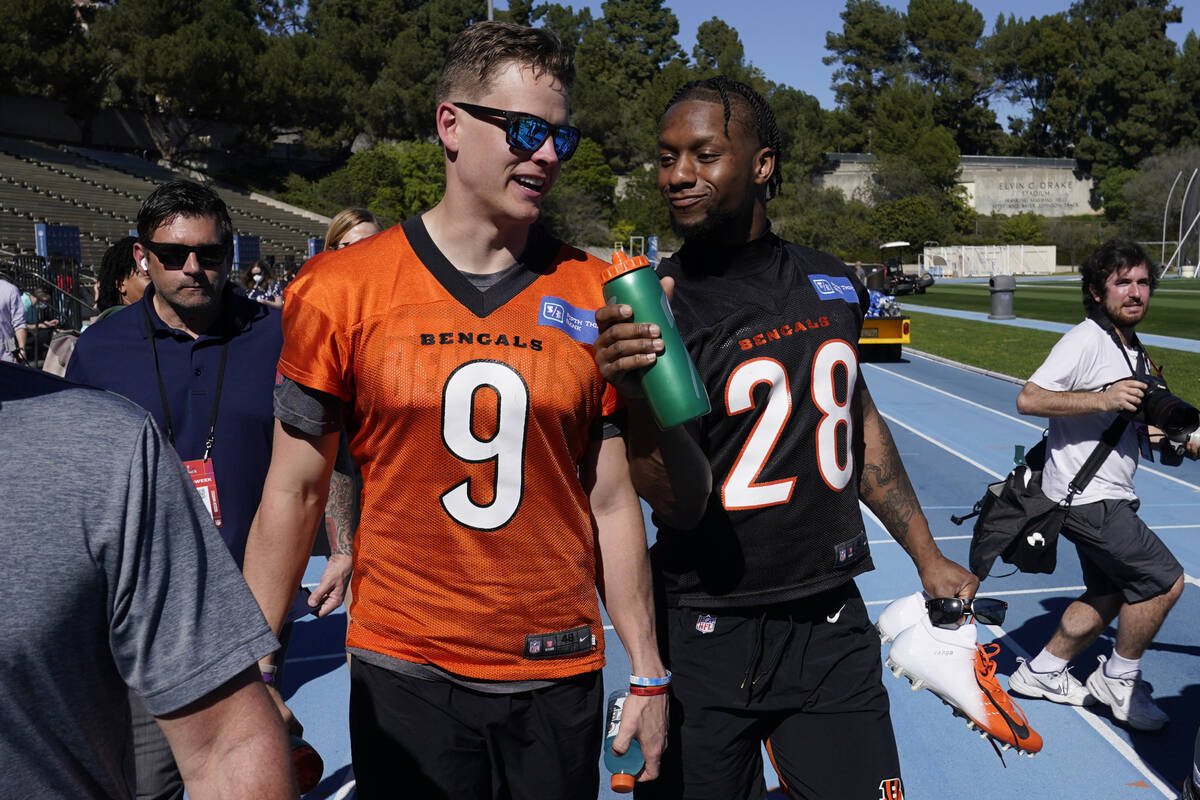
1019, 351
1174, 309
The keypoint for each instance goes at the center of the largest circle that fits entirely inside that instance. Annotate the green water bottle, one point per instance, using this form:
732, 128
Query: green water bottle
672, 386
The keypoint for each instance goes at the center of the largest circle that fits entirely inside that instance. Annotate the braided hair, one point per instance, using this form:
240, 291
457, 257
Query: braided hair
761, 119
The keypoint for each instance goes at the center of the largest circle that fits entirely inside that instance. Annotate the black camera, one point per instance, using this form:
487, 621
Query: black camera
1175, 418
1165, 411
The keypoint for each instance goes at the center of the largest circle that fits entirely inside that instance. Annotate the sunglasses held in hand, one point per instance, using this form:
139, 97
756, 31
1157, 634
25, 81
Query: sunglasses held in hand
528, 132
947, 612
174, 256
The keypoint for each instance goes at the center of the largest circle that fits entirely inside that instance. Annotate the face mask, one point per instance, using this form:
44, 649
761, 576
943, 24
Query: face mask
257, 278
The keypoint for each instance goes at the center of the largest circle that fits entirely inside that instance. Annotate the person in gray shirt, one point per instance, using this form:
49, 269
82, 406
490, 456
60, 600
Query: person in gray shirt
115, 577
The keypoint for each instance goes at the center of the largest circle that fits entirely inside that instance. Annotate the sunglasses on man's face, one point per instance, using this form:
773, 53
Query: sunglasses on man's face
174, 256
529, 132
949, 611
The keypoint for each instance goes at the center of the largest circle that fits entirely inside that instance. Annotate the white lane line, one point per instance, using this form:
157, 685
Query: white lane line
980, 406
322, 657
1172, 478
1051, 590
344, 792
1191, 579
1170, 527
1010, 417
947, 448
936, 539
1097, 724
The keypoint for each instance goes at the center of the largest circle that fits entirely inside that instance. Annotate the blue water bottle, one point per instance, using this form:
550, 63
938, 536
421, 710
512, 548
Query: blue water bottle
624, 768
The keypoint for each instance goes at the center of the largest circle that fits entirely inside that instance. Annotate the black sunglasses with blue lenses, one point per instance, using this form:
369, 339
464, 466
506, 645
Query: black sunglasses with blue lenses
949, 611
174, 256
529, 132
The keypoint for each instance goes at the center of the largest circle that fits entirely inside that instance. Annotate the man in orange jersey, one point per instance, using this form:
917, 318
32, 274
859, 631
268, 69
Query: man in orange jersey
496, 494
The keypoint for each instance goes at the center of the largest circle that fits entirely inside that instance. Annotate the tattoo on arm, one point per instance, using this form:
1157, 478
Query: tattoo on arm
341, 514
885, 486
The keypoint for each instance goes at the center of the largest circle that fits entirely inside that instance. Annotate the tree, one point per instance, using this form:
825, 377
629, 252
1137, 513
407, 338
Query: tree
580, 206
1126, 83
1037, 63
184, 65
44, 52
1185, 92
917, 218
1145, 194
619, 58
419, 182
824, 219
1025, 228
719, 51
945, 36
640, 210
871, 50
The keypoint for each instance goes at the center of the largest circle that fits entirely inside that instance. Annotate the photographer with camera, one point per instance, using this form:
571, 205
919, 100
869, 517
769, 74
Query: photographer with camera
1097, 373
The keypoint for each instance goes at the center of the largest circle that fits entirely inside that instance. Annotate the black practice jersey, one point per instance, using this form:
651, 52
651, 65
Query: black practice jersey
772, 327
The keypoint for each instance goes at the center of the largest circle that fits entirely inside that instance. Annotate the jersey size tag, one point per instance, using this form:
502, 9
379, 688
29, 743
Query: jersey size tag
851, 550
559, 643
830, 287
578, 323
205, 481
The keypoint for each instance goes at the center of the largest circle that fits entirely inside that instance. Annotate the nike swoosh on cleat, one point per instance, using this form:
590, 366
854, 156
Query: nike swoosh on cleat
1021, 731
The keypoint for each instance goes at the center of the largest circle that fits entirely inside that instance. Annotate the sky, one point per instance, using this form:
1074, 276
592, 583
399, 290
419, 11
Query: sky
786, 38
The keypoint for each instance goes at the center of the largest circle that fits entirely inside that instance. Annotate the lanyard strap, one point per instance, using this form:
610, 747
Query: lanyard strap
162, 390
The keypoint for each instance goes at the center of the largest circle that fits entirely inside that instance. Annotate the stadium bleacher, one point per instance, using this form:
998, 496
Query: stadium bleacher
100, 192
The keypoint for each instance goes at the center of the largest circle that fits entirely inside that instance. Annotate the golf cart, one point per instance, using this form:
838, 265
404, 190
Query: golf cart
895, 281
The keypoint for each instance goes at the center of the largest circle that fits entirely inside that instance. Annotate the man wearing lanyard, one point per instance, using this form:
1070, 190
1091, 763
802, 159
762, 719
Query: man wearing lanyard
201, 360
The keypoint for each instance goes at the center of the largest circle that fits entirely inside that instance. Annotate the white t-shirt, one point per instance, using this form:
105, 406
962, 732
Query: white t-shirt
1086, 359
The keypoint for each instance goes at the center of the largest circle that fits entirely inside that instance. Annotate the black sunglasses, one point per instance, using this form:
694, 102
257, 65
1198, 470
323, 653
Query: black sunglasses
948, 611
174, 256
529, 132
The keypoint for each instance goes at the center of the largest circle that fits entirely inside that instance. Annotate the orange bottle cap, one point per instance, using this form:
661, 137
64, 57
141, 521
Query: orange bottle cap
622, 263
622, 782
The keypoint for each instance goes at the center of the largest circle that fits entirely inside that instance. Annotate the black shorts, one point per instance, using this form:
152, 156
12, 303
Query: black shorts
1118, 552
801, 677
437, 740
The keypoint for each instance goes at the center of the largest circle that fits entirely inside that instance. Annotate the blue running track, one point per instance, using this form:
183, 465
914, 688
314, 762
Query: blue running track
955, 430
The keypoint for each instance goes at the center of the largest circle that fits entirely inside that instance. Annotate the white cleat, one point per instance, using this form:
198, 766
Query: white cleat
952, 665
899, 615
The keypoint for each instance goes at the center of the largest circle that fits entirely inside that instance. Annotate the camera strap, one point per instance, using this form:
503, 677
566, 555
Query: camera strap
1102, 319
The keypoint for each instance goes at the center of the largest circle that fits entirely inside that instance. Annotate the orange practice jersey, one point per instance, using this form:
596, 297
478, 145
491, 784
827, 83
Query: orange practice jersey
470, 414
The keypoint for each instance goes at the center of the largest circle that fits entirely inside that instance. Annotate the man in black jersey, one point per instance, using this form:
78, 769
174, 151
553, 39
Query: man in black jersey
764, 629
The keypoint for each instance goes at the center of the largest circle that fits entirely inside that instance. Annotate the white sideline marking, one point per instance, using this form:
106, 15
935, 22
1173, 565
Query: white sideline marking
933, 388
322, 657
1052, 590
1171, 527
1191, 579
936, 539
947, 448
344, 792
1141, 467
1108, 734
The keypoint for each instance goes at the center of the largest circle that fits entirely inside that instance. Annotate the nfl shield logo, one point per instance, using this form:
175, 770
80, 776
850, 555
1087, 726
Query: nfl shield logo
706, 624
